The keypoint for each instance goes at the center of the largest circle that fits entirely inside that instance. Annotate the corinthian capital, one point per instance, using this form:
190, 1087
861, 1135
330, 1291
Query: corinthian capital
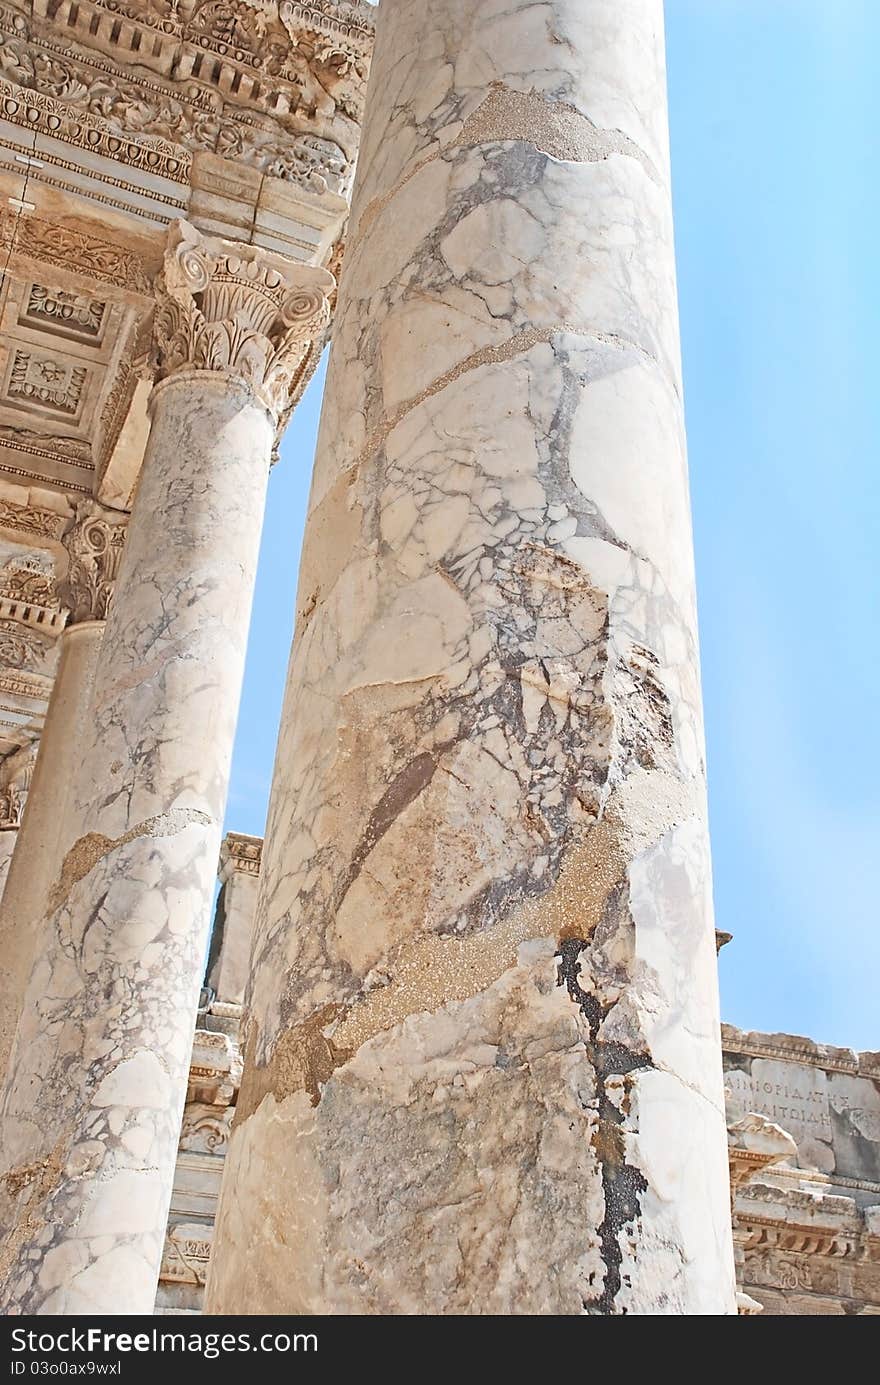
94, 543
242, 311
16, 772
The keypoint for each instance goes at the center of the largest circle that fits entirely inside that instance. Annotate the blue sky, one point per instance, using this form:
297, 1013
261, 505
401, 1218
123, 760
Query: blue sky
775, 114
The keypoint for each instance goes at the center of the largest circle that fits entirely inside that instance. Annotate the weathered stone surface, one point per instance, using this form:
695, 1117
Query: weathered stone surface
807, 1229
827, 1098
483, 1069
230, 955
93, 542
92, 1105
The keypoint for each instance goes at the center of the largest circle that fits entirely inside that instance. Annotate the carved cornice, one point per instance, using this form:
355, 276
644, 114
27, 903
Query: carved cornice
242, 311
95, 543
792, 1048
761, 1233
755, 1143
279, 85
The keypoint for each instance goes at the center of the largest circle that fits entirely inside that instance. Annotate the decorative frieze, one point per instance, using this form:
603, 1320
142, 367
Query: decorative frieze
66, 246
32, 520
24, 648
243, 311
225, 76
95, 543
186, 1254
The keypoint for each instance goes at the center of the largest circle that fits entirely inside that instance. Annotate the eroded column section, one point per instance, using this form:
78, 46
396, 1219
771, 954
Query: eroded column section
483, 1070
94, 544
92, 1107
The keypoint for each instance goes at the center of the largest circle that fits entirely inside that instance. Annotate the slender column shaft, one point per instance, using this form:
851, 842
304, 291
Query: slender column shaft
45, 831
483, 1073
92, 1106
98, 1071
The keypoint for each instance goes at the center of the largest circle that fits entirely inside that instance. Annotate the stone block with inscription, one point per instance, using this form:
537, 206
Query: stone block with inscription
807, 1226
827, 1099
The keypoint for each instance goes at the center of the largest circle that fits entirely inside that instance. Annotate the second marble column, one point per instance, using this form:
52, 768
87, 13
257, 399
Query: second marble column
91, 1110
94, 543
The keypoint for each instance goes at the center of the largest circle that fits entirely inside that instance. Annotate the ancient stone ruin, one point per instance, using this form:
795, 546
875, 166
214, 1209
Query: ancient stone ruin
458, 1047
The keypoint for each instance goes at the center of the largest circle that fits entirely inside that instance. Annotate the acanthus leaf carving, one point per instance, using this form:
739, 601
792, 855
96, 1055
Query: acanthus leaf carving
95, 544
16, 773
239, 310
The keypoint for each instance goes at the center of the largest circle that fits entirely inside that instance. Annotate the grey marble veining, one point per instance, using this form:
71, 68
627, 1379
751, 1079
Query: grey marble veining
483, 1067
92, 1106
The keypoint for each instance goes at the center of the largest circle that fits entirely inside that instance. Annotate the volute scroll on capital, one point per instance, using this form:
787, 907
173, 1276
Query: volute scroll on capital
240, 310
94, 544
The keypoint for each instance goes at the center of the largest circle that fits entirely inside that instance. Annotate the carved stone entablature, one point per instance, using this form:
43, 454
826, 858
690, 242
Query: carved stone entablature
28, 596
61, 116
233, 77
24, 648
755, 1143
16, 772
215, 1069
95, 543
242, 311
240, 853
808, 1252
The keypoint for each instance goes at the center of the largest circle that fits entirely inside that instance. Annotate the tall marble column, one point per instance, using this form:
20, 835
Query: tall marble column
94, 544
92, 1106
483, 1071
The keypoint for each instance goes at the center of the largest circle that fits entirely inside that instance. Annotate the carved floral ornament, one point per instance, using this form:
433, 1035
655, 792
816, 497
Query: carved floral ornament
240, 310
95, 544
273, 84
16, 773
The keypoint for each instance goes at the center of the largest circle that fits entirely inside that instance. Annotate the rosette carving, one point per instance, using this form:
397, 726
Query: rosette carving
242, 311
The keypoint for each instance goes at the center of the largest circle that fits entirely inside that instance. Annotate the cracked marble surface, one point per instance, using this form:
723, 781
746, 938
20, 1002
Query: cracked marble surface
483, 1066
44, 830
91, 1115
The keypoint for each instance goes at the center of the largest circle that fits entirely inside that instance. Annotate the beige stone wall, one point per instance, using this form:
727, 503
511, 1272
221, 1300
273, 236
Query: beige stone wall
807, 1228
